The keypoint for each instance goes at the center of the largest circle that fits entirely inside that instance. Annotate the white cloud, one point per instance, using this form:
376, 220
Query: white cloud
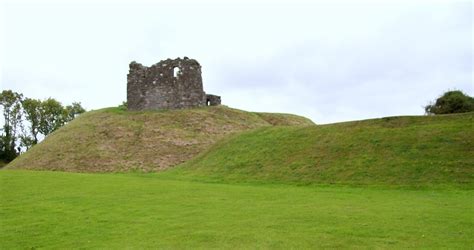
331, 62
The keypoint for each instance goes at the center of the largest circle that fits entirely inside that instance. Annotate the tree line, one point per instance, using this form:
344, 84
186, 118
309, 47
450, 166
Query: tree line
27, 119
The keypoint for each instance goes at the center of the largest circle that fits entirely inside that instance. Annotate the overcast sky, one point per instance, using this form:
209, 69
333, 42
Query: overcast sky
329, 62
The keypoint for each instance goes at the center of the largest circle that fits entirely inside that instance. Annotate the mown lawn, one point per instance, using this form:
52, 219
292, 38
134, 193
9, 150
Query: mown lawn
70, 210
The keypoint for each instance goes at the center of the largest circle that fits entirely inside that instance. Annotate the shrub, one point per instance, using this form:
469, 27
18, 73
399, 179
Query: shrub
454, 101
123, 106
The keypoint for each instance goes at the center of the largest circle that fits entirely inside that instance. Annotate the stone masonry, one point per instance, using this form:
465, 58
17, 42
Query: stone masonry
169, 84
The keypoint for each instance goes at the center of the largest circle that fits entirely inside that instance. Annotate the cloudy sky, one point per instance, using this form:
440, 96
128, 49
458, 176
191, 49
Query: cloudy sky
329, 61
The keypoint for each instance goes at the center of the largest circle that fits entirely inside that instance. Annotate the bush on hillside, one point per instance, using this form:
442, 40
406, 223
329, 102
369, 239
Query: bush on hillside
454, 101
123, 106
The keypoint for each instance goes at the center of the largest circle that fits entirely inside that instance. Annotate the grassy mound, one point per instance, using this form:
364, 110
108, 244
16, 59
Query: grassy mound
412, 151
111, 140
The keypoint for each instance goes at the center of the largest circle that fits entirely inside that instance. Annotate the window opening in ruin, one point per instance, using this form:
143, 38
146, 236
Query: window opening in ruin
175, 71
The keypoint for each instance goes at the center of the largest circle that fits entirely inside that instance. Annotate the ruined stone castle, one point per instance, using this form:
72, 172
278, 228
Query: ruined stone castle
168, 84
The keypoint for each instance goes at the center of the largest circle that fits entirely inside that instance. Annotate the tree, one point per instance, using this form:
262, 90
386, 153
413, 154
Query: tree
454, 101
52, 116
11, 103
43, 117
46, 116
32, 111
3, 154
74, 110
26, 140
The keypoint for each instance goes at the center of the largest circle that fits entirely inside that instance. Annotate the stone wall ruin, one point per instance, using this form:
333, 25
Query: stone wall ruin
168, 84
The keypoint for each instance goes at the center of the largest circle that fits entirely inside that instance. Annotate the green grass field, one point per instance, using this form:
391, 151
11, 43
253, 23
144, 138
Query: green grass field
238, 179
72, 210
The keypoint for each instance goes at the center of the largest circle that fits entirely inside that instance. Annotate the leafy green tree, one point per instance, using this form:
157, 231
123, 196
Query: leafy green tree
43, 117
32, 111
11, 104
73, 111
26, 140
454, 101
3, 154
52, 116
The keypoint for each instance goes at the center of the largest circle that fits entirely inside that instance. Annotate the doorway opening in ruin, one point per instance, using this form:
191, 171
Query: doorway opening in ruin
208, 102
175, 71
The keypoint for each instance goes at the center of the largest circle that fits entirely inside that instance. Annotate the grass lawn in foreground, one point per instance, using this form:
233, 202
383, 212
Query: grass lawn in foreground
70, 210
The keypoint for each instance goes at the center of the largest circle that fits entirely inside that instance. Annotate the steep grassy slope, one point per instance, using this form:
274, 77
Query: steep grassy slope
115, 140
413, 151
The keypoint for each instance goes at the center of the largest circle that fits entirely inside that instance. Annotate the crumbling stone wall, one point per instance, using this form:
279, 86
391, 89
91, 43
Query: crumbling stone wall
213, 100
169, 84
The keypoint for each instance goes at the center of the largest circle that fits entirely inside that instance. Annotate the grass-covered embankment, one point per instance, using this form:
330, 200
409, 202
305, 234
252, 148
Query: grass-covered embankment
70, 210
114, 140
398, 151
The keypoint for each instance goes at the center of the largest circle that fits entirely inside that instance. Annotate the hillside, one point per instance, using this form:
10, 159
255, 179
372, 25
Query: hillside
113, 140
412, 151
407, 183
